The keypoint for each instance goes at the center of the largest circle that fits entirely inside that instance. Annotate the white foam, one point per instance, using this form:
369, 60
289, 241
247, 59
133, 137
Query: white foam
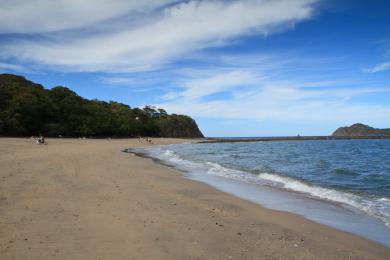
378, 208
318, 192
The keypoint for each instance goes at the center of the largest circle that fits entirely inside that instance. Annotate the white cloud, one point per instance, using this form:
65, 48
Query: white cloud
9, 66
38, 16
288, 104
256, 94
158, 36
118, 81
215, 83
379, 67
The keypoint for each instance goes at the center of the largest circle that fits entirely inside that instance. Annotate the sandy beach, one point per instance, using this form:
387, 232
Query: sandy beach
86, 199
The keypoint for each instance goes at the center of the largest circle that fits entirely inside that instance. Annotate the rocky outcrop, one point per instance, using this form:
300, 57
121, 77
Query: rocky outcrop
360, 130
179, 126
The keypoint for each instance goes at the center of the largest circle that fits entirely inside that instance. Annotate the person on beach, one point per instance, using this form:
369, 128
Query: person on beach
40, 140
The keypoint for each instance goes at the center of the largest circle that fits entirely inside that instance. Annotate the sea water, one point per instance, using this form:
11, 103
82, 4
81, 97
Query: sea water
341, 183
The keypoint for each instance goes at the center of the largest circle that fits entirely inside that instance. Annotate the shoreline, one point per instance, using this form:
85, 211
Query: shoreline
82, 199
340, 216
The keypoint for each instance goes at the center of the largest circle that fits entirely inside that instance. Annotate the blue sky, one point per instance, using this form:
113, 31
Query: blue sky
240, 68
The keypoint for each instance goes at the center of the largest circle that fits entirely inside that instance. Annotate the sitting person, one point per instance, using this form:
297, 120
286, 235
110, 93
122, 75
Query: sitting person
41, 140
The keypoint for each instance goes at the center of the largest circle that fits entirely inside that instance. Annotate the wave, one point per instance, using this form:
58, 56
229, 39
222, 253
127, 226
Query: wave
375, 207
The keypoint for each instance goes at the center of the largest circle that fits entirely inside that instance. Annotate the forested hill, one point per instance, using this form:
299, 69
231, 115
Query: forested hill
27, 108
360, 130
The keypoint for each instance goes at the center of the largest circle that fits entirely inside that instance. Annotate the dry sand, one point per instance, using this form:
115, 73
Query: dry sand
86, 199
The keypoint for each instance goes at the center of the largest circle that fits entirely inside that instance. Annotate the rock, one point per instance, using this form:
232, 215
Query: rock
360, 130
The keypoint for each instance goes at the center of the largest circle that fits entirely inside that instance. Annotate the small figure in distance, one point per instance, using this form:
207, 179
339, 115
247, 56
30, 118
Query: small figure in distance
40, 140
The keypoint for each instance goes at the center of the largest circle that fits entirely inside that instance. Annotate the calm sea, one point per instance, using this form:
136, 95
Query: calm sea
343, 183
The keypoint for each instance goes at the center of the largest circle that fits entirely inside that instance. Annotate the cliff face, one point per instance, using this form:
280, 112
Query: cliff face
179, 126
28, 109
360, 130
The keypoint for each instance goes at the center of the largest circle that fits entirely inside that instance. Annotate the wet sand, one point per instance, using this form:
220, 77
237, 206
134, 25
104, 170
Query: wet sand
86, 199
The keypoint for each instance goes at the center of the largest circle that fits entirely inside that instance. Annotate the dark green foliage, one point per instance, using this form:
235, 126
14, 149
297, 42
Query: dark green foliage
177, 125
27, 108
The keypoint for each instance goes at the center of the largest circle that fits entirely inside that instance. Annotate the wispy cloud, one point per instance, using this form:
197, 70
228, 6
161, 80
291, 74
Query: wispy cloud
10, 66
286, 104
118, 81
257, 93
42, 16
379, 67
150, 35
215, 83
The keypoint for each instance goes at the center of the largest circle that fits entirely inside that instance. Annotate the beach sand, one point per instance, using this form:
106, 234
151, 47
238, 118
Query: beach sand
86, 199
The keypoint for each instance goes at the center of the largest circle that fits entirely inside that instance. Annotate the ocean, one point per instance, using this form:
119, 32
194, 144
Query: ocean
340, 183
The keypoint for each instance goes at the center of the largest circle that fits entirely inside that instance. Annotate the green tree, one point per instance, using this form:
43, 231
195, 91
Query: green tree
27, 108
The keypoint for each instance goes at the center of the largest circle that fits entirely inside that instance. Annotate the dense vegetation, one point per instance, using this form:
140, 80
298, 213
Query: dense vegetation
361, 130
27, 109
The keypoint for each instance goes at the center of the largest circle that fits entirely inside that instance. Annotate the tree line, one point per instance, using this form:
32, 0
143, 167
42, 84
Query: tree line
27, 108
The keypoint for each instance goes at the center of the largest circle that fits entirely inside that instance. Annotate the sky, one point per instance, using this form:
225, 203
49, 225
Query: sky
239, 68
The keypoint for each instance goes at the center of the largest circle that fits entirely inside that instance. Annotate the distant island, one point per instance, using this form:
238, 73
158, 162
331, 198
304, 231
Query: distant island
360, 130
356, 131
27, 109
